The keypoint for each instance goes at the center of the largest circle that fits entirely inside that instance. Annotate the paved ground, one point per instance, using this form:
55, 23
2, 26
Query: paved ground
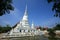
28, 38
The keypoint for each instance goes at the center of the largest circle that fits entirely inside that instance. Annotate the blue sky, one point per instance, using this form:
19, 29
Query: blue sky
39, 11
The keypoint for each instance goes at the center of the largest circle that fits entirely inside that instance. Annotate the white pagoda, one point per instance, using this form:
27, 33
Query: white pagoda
23, 28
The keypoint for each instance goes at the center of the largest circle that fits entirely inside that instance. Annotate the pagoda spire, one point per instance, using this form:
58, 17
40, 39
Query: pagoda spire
25, 10
25, 17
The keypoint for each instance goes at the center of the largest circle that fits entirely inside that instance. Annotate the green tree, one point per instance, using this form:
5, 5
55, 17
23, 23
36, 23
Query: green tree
55, 7
5, 6
57, 27
51, 34
5, 29
0, 28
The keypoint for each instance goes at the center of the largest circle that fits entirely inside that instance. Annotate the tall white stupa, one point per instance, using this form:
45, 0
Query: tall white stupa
23, 26
24, 21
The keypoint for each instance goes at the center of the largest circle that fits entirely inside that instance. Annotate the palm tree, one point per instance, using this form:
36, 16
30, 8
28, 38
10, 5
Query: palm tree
5, 6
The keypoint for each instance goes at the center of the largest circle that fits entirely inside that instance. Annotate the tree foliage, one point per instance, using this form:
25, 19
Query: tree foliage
5, 6
4, 29
57, 27
55, 7
52, 34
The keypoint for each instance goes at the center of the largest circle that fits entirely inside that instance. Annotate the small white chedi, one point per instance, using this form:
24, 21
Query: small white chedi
23, 28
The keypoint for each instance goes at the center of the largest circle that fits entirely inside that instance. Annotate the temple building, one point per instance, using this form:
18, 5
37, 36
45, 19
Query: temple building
23, 28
